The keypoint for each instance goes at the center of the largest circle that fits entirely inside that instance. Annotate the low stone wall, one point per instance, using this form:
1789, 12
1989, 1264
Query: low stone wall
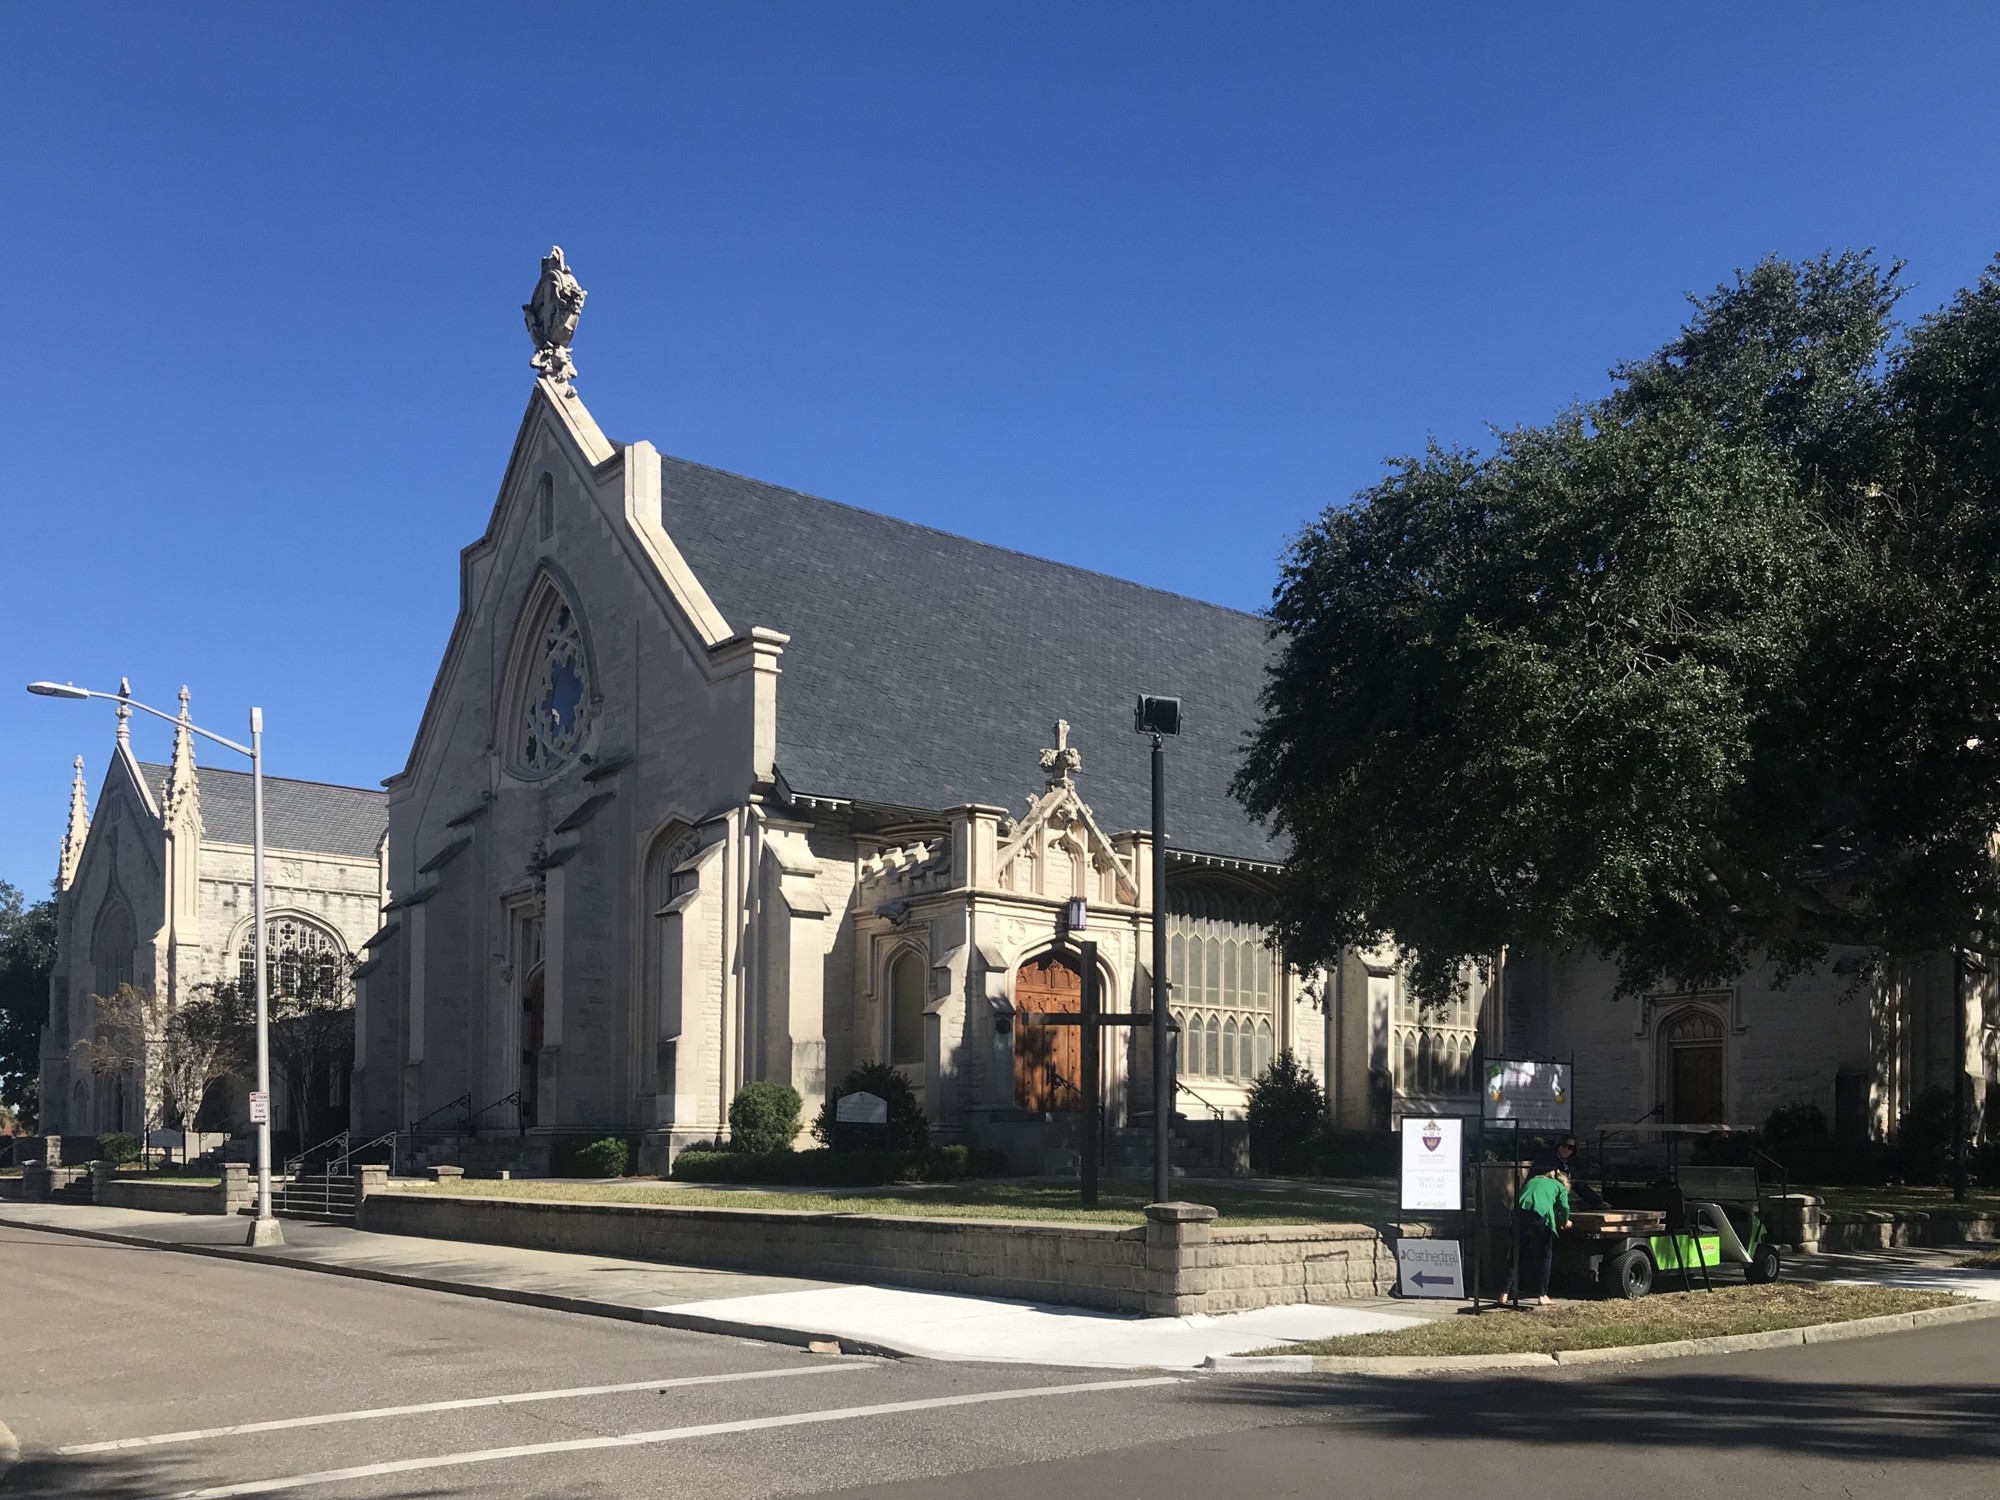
1176, 1264
163, 1195
1872, 1230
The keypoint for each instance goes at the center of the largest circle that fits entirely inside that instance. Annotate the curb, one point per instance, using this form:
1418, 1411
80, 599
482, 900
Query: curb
10, 1449
1624, 1354
555, 1302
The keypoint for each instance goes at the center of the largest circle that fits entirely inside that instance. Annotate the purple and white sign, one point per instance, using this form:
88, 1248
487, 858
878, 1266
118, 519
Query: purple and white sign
1433, 1163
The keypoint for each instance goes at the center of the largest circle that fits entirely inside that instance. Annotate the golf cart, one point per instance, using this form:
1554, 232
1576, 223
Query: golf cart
1663, 1216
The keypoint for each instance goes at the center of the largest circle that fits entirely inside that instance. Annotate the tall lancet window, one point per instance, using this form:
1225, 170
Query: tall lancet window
550, 702
907, 995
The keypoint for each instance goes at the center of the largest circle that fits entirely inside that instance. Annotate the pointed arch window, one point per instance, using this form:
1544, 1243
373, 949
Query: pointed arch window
906, 1008
550, 701
302, 960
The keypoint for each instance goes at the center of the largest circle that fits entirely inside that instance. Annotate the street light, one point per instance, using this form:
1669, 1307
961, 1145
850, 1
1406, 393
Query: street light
264, 1229
1160, 717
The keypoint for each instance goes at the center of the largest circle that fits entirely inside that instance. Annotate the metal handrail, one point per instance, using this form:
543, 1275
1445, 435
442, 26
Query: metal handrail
505, 1099
1221, 1122
296, 1164
463, 1101
346, 1158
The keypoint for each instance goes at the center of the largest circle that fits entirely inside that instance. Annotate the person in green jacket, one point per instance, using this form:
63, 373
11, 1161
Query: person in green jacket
1544, 1205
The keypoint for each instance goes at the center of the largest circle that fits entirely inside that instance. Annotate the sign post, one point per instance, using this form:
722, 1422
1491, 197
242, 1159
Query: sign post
260, 1108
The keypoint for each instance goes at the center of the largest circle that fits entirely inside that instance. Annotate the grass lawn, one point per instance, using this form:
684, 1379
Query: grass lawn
1657, 1319
1983, 1260
1904, 1199
1270, 1201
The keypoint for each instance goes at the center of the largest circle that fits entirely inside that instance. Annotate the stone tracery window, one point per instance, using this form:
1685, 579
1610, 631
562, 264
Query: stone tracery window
302, 960
551, 698
1224, 982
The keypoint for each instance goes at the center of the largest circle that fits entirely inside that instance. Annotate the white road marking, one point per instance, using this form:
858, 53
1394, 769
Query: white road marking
462, 1404
665, 1435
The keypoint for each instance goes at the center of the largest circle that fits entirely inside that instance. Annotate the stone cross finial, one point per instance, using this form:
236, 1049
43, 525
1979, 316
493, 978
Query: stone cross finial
1063, 762
77, 832
125, 712
552, 315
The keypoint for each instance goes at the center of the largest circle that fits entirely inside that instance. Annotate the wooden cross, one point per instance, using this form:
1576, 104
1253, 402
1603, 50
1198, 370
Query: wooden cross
1093, 1018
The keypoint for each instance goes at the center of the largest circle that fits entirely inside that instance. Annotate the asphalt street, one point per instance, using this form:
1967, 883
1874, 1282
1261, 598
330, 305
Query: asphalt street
129, 1373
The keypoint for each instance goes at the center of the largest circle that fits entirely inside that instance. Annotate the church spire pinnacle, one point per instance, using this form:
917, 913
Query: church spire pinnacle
182, 791
124, 713
77, 832
1064, 761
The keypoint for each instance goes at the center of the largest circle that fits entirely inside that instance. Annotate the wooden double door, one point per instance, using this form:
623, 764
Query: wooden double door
1048, 1060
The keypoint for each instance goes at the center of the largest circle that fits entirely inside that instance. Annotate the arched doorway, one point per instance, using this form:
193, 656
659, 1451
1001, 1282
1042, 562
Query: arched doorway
1691, 1068
531, 1048
1048, 1060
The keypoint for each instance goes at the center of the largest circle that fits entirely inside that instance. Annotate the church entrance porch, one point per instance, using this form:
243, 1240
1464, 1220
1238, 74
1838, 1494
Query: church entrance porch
1048, 1060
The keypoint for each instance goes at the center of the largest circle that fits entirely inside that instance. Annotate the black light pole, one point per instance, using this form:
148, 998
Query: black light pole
1960, 1083
1160, 717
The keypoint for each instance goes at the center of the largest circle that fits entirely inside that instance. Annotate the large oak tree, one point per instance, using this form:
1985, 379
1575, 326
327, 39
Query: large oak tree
1704, 669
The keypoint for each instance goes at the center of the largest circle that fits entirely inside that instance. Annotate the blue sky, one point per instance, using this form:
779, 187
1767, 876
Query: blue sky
1141, 287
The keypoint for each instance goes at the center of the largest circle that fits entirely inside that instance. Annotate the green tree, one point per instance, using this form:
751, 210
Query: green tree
1707, 667
27, 958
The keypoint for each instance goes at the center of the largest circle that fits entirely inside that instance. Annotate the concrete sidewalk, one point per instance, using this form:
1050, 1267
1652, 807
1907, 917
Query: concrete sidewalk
779, 1309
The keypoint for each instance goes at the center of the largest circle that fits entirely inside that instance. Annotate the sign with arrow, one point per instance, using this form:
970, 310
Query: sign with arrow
1429, 1268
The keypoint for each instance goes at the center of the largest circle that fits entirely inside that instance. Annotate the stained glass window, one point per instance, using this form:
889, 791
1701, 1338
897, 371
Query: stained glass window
555, 708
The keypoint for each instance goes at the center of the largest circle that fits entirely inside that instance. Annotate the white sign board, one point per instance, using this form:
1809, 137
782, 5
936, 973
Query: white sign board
1535, 1095
861, 1109
260, 1108
1429, 1268
1433, 1157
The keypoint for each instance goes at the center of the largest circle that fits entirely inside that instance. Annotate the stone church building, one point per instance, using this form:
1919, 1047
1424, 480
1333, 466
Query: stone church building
153, 890
719, 781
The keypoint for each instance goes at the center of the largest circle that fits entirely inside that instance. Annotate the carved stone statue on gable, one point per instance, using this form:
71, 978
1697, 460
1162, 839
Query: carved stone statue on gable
552, 315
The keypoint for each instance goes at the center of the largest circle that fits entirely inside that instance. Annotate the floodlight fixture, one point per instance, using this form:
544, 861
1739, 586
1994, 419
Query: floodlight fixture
1156, 715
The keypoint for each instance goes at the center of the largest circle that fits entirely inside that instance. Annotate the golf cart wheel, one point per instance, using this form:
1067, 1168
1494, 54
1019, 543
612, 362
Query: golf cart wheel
1764, 1266
1630, 1275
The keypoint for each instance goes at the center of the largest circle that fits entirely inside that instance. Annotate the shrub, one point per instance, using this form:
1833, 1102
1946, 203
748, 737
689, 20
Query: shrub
1287, 1111
1795, 1122
117, 1146
608, 1157
907, 1130
764, 1116
1924, 1144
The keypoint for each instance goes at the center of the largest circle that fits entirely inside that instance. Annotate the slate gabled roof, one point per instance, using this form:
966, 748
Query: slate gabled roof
309, 816
926, 670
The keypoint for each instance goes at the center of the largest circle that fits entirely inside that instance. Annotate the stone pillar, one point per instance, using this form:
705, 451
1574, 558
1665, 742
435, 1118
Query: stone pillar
236, 1192
101, 1175
368, 1179
1793, 1220
1178, 1258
